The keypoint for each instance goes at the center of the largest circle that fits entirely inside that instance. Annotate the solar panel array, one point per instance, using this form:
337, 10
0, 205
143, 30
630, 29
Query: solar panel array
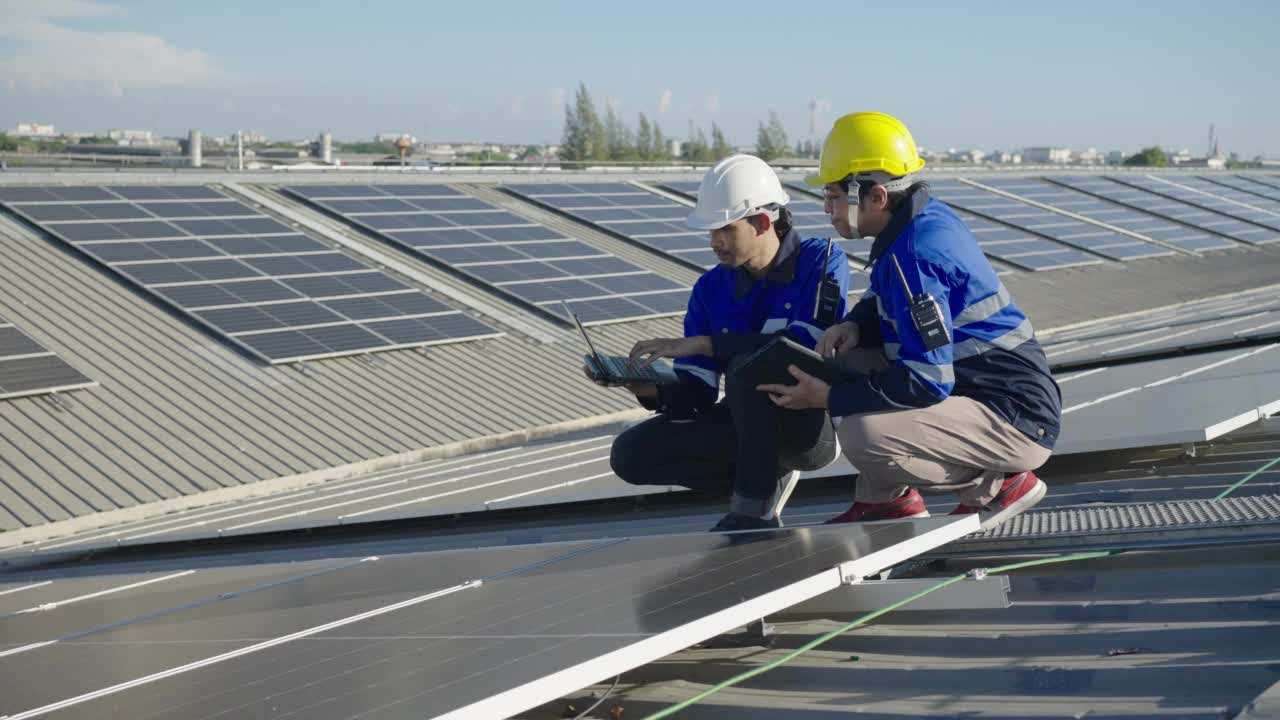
1245, 185
29, 368
1167, 207
1013, 245
529, 262
1204, 194
1112, 214
1058, 226
643, 217
1271, 181
267, 288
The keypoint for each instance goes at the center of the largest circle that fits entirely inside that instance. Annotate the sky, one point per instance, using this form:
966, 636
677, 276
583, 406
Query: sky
1115, 75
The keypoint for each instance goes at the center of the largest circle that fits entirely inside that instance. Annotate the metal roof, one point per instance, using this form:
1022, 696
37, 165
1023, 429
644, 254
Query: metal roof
179, 420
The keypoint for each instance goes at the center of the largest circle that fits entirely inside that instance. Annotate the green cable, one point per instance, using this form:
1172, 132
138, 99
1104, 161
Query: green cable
1247, 478
673, 709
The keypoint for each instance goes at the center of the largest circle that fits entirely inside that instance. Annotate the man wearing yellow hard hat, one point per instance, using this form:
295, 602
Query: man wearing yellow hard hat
955, 392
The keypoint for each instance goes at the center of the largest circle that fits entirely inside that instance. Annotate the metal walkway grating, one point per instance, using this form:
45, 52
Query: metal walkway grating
1174, 522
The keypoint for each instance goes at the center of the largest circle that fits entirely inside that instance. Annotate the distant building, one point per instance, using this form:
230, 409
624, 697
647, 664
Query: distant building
1090, 156
1050, 155
130, 137
34, 130
393, 137
1180, 157
1115, 157
1212, 163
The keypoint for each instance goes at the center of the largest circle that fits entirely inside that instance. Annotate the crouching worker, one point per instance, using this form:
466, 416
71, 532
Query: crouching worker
766, 284
957, 393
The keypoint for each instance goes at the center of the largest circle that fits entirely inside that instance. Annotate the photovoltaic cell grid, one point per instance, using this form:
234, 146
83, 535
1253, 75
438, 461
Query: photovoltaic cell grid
1271, 181
1169, 208
1088, 206
1064, 229
1209, 196
29, 368
269, 289
1012, 245
1245, 185
643, 217
527, 261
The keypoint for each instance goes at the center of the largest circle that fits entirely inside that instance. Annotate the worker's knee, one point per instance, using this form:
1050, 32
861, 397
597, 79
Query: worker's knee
626, 457
866, 437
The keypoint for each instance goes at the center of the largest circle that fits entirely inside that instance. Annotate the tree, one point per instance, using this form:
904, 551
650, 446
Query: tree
644, 139
660, 149
697, 149
1150, 157
7, 144
532, 152
488, 155
771, 139
584, 135
720, 148
618, 137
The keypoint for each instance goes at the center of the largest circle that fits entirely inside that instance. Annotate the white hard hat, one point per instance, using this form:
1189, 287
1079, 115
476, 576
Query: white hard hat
738, 186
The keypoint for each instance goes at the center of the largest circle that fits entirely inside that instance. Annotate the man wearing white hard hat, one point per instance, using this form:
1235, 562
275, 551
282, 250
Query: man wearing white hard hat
767, 284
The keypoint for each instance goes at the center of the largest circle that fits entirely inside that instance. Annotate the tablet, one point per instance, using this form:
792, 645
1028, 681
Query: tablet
768, 365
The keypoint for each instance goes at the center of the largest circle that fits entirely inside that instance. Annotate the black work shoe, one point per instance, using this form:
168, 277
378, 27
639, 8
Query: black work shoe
738, 521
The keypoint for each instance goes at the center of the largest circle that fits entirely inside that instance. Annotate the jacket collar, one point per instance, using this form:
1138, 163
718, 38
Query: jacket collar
781, 272
914, 204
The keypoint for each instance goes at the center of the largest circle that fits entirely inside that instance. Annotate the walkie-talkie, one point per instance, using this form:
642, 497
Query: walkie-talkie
828, 297
925, 313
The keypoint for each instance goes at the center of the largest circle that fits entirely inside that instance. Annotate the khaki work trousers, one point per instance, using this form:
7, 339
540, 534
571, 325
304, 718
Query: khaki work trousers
957, 445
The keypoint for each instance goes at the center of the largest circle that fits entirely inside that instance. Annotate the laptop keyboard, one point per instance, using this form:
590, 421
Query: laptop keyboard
624, 368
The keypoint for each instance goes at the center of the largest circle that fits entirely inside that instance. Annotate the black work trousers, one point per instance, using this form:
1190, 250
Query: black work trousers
739, 448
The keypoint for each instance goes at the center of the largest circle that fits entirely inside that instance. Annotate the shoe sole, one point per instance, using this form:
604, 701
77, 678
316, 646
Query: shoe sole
1015, 508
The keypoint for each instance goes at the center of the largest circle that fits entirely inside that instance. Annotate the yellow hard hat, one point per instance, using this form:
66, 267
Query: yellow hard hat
866, 142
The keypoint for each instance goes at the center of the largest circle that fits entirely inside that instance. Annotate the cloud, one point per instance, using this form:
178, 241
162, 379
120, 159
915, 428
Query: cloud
664, 102
712, 104
48, 56
454, 108
517, 105
556, 98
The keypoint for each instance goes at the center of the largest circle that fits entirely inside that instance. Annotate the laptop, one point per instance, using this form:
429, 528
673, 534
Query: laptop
616, 369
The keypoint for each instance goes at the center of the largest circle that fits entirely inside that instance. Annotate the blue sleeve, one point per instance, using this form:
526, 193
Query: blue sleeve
699, 384
916, 377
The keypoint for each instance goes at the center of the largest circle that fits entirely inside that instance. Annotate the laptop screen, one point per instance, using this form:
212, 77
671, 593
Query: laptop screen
590, 348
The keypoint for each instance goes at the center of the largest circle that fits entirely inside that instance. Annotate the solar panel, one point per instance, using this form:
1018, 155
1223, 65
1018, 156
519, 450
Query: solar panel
265, 287
1210, 197
523, 260
1007, 240
1245, 185
1112, 214
632, 213
1058, 226
482, 633
29, 368
1271, 181
1166, 207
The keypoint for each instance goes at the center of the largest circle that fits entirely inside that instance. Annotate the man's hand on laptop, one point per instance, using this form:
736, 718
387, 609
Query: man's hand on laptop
646, 352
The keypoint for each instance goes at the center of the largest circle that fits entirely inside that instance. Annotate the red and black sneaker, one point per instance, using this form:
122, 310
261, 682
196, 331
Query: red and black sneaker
910, 505
1019, 493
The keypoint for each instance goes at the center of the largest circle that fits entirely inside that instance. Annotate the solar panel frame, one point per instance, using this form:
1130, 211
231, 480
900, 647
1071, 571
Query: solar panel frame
28, 368
523, 261
176, 267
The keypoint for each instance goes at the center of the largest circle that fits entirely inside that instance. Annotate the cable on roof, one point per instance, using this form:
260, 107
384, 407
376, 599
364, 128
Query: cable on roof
816, 642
